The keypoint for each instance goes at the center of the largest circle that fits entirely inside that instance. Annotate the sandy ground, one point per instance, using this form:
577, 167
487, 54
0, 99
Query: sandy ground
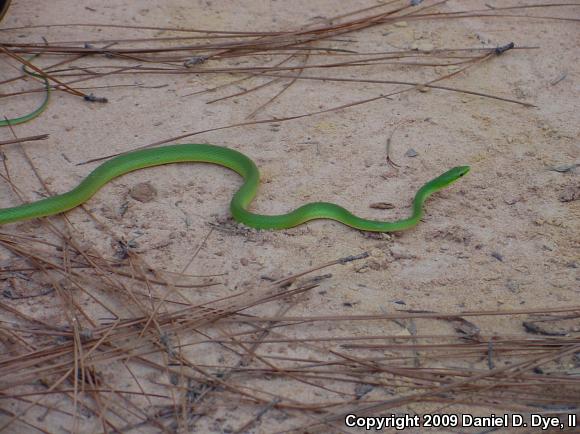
504, 237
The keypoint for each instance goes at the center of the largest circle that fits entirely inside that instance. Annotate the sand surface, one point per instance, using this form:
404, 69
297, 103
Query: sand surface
506, 237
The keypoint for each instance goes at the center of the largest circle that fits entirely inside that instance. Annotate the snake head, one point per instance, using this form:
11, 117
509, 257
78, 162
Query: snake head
451, 176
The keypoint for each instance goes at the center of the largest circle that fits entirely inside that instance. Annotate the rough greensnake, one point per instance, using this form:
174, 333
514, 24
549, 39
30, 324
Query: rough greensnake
37, 112
237, 162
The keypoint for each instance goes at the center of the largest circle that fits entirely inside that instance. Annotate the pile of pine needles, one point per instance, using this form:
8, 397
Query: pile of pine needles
90, 341
269, 58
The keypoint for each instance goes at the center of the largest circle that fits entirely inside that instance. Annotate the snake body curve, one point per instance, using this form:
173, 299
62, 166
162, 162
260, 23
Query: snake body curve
237, 162
42, 106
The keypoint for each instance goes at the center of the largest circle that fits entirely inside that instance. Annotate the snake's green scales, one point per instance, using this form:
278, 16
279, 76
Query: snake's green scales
36, 112
239, 163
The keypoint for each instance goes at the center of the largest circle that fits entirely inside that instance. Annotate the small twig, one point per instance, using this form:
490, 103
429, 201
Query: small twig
557, 80
389, 141
41, 72
353, 258
24, 139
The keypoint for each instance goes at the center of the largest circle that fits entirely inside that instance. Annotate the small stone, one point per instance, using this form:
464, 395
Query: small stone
377, 253
425, 46
123, 208
570, 193
511, 200
550, 246
143, 192
401, 24
244, 262
376, 235
398, 252
512, 286
108, 212
564, 168
411, 153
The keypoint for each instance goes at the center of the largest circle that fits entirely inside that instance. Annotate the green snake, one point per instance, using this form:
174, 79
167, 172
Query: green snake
39, 109
237, 162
